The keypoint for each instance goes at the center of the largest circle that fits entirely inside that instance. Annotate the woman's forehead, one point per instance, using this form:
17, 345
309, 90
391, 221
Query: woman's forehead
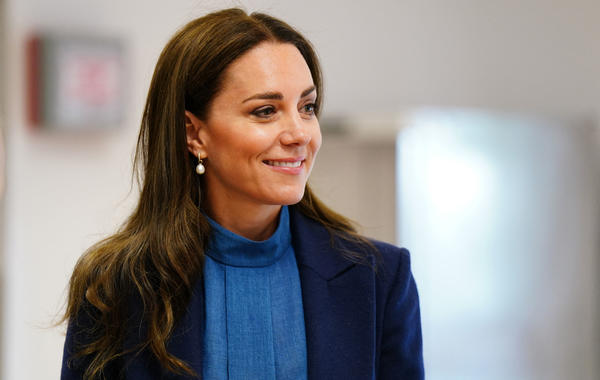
268, 67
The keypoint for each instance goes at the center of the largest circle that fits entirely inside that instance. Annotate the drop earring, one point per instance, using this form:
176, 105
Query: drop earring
200, 169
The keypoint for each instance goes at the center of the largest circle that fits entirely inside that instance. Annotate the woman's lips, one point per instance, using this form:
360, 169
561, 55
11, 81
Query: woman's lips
286, 165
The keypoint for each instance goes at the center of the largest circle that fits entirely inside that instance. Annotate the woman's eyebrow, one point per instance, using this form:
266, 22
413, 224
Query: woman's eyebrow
308, 91
276, 95
265, 95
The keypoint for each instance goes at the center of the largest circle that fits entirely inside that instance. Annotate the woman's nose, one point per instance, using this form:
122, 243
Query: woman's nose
296, 132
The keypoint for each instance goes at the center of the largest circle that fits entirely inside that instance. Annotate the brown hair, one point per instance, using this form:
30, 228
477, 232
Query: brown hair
157, 255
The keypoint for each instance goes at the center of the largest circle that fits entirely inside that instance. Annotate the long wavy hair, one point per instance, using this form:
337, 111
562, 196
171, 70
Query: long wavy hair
158, 253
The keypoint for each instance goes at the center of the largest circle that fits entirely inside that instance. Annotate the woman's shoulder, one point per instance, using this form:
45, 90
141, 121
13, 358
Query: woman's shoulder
392, 255
393, 268
341, 250
387, 259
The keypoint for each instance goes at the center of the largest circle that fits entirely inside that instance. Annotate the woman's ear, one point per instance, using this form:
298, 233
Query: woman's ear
193, 129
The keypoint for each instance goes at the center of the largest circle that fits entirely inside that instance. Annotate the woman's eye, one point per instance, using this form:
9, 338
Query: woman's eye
310, 108
264, 111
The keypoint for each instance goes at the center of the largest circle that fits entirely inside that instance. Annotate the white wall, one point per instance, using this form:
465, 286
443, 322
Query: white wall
65, 191
521, 55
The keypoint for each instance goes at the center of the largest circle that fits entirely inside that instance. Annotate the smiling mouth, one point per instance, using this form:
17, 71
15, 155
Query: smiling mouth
285, 164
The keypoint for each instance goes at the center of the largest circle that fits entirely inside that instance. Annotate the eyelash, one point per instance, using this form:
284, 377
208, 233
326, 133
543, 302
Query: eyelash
267, 111
260, 112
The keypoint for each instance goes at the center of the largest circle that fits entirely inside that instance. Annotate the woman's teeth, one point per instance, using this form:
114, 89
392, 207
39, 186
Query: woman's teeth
293, 164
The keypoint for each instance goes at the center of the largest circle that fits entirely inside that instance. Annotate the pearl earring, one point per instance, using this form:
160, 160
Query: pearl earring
200, 169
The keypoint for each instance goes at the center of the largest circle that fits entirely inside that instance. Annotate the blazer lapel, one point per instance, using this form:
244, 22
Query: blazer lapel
339, 305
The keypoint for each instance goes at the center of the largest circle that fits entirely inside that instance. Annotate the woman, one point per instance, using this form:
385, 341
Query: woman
229, 267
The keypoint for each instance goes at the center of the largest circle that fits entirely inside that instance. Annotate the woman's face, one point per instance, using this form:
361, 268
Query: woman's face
261, 135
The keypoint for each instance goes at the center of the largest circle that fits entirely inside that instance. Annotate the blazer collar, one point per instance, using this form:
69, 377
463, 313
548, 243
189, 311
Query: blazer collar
313, 245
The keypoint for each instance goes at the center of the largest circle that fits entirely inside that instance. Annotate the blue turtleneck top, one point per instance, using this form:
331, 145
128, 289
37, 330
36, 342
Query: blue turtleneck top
254, 314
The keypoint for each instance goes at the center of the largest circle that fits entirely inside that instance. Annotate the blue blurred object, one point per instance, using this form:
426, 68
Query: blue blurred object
501, 215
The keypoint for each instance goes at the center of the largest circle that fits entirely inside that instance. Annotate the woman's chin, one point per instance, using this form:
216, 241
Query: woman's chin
288, 198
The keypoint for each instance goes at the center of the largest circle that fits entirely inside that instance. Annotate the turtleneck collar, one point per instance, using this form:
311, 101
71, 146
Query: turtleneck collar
232, 249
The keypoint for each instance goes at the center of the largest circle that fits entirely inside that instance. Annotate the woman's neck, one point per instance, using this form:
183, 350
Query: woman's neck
254, 222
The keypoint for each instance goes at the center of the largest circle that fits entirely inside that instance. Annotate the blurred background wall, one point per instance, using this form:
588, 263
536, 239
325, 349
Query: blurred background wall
65, 191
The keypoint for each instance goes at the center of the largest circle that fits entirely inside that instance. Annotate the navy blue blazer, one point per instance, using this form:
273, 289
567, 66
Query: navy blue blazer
359, 324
